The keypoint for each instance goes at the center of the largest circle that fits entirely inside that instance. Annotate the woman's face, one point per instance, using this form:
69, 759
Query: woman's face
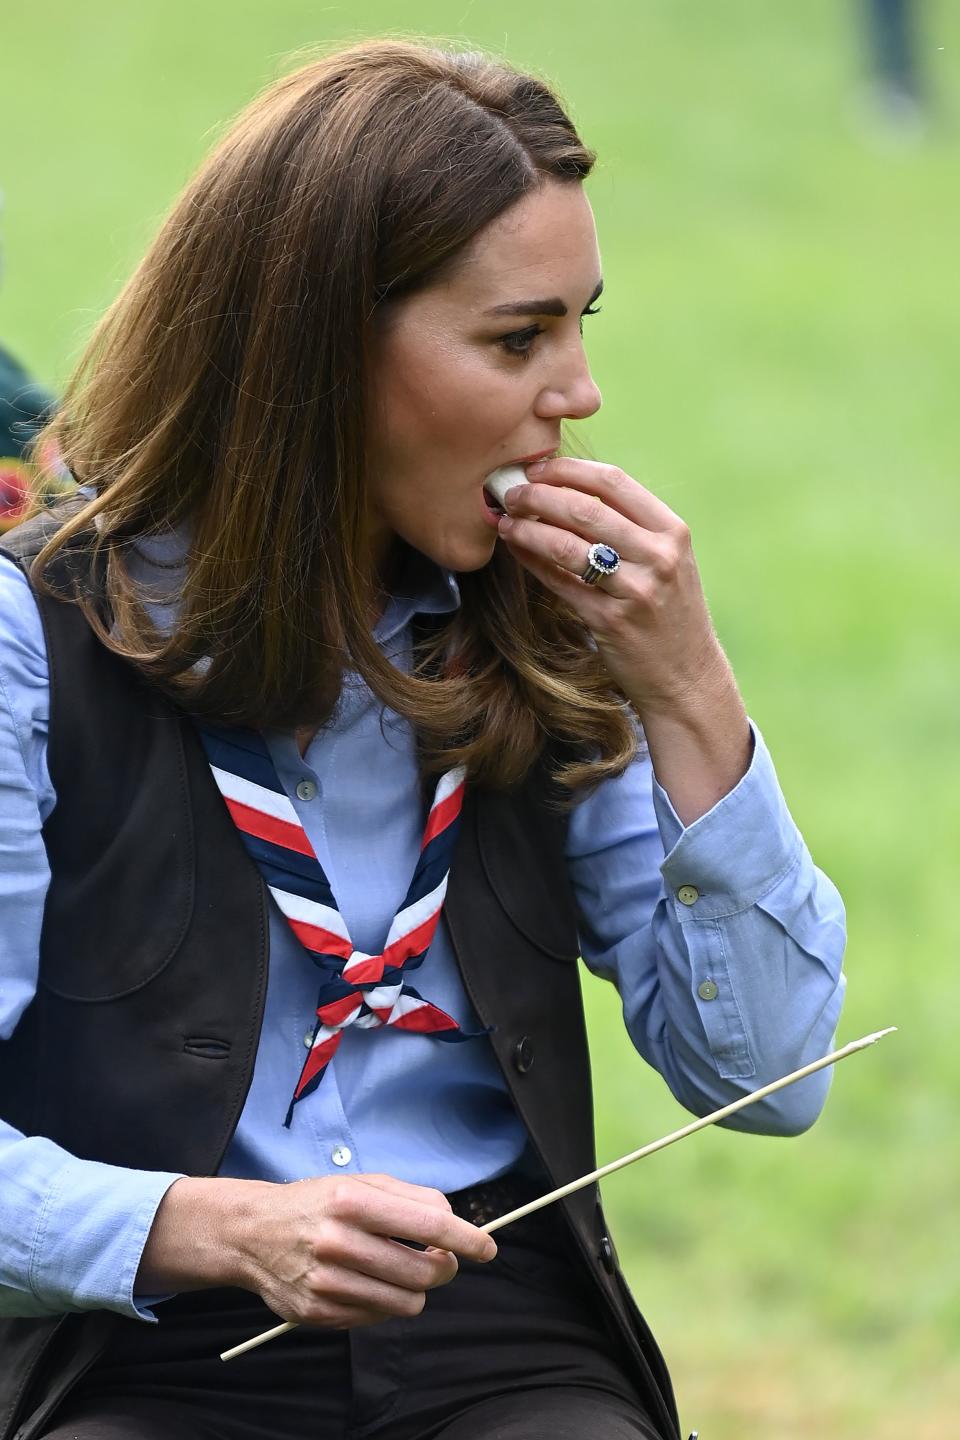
459, 390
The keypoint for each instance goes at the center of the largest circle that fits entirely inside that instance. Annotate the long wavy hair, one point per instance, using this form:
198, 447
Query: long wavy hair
226, 390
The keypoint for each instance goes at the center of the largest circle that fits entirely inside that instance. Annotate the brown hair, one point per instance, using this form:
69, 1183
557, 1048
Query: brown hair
226, 387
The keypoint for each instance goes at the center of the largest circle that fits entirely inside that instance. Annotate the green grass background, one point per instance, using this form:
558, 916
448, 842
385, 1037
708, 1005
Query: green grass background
778, 355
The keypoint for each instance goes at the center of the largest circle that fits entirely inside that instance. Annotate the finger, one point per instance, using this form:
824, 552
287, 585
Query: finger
616, 488
596, 609
578, 513
423, 1194
562, 583
396, 1264
352, 1317
553, 546
373, 1209
331, 1288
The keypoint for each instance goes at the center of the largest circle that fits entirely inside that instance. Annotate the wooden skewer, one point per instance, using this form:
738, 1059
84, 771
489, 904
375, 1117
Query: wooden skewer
624, 1160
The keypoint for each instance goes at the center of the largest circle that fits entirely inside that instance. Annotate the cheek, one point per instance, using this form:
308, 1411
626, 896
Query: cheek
422, 403
448, 410
438, 398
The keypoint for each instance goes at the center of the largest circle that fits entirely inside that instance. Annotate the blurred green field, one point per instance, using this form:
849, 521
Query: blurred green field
777, 353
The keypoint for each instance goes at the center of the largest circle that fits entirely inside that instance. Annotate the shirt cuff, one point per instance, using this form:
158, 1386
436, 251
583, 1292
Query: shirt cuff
90, 1237
727, 860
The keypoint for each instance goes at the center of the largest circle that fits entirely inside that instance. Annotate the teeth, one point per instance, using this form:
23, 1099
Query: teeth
503, 480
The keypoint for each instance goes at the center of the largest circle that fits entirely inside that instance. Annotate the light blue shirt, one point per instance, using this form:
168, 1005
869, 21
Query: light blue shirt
723, 940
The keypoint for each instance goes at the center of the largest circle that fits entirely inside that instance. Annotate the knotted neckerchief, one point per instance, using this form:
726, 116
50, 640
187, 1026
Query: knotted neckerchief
356, 988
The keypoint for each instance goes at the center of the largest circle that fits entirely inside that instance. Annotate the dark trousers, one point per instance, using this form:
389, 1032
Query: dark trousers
514, 1350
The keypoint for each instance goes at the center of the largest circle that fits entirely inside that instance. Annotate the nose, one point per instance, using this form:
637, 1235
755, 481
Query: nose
574, 395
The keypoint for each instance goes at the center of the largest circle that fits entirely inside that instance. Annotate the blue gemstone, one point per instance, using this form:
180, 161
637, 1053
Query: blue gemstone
605, 557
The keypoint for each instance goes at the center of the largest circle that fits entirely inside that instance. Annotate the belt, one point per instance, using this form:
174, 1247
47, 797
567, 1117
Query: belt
492, 1198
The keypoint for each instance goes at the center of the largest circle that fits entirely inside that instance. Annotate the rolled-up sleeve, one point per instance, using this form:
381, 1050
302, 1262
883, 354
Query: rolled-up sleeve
723, 939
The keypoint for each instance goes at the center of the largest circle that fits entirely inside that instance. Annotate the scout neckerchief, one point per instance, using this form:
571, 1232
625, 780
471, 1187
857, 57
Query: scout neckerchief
356, 988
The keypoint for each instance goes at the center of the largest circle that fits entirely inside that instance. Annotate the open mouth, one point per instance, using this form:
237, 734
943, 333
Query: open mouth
492, 503
499, 482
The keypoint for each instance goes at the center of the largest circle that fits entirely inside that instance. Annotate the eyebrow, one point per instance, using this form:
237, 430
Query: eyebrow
553, 306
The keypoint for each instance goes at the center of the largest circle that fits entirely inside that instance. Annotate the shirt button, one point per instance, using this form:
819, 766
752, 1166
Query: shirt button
342, 1155
707, 990
308, 1040
306, 790
688, 894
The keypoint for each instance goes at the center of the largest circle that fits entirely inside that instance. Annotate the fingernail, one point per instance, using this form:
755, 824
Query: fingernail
536, 467
506, 523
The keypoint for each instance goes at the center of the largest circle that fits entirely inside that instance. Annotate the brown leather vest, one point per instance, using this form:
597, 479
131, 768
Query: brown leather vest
135, 1053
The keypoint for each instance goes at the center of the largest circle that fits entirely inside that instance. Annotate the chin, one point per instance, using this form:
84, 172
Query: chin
461, 556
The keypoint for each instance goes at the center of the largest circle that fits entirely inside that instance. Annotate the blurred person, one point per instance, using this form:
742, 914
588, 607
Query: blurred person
24, 407
318, 772
898, 90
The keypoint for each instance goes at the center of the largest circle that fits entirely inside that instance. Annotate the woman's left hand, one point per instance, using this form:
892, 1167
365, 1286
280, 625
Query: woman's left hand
649, 619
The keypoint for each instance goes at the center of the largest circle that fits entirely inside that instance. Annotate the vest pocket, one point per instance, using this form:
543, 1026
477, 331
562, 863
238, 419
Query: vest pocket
123, 872
206, 1047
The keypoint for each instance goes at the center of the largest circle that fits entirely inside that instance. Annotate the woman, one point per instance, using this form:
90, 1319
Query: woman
303, 659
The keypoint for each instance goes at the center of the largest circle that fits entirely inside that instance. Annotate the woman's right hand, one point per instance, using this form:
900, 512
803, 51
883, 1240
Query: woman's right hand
327, 1251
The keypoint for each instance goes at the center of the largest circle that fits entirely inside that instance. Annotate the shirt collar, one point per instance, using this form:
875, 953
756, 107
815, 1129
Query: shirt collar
421, 588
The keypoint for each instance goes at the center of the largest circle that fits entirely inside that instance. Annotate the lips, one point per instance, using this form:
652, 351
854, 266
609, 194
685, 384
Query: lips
529, 459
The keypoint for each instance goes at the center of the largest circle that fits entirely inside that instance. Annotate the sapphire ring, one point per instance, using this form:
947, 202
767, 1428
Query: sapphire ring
602, 560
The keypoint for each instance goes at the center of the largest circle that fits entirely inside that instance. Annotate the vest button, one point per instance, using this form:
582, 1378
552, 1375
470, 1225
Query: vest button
523, 1056
606, 1255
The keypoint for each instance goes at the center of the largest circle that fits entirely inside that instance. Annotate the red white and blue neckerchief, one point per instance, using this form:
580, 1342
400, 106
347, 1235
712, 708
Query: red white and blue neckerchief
356, 989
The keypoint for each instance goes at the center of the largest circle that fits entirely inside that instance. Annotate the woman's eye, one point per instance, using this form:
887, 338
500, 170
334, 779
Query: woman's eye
520, 342
592, 310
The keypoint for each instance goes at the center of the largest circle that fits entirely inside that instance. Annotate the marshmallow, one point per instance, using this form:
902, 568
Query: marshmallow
504, 479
